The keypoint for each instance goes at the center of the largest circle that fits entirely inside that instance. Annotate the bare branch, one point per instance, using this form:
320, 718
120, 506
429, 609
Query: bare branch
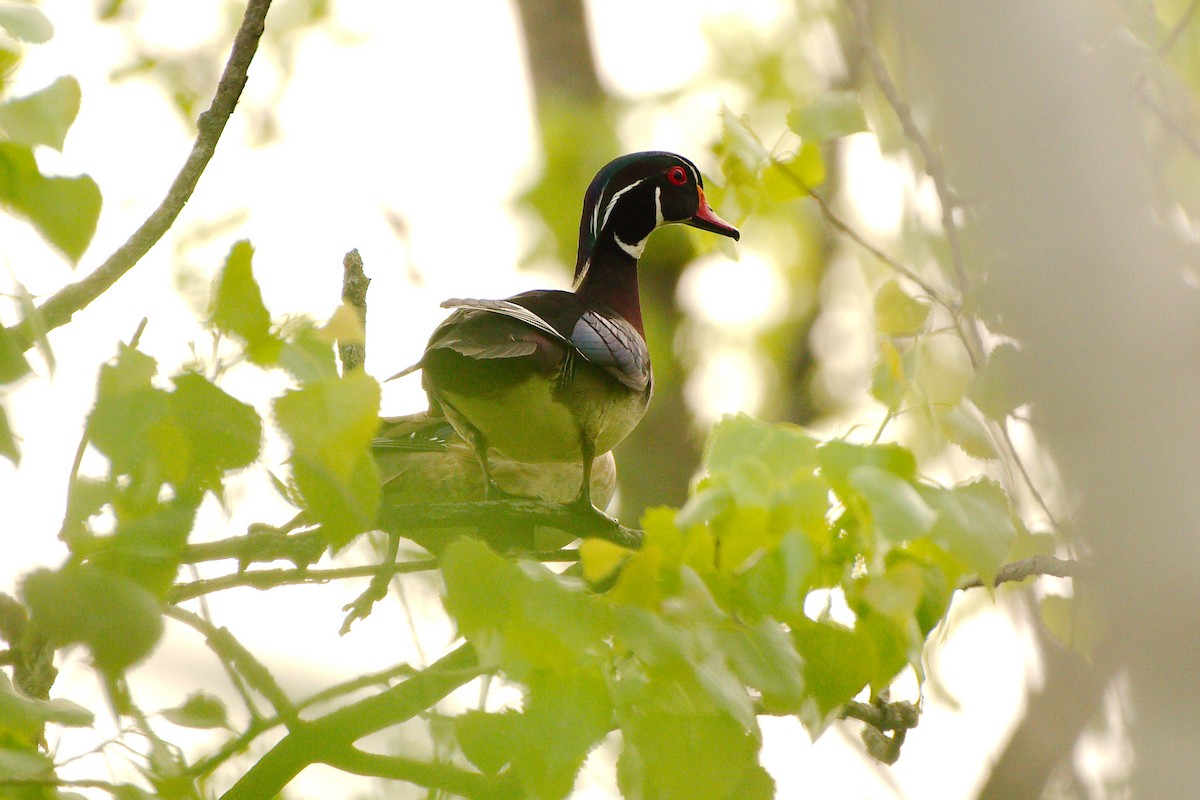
354, 294
59, 309
1028, 568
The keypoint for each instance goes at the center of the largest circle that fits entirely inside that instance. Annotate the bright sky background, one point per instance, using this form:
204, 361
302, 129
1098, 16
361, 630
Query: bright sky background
419, 109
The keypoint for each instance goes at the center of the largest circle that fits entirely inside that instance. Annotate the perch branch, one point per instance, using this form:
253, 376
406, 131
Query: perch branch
59, 309
495, 520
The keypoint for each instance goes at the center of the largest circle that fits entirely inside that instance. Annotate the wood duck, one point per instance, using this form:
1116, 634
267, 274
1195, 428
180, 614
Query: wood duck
422, 457
558, 376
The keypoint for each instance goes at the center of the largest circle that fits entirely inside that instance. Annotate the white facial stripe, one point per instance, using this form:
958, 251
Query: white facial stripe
634, 250
613, 202
582, 274
658, 215
695, 172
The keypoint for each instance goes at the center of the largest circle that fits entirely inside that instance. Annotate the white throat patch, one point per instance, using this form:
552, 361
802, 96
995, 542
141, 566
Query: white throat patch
634, 250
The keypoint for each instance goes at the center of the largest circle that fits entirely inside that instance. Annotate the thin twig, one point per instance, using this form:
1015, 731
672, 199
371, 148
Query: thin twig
933, 162
59, 309
232, 652
259, 726
1178, 29
270, 578
353, 354
1029, 568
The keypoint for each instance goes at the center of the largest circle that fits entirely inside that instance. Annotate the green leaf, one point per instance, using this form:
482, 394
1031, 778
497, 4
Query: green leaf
486, 739
939, 573
1074, 621
897, 509
330, 423
830, 115
896, 593
43, 117
118, 620
148, 543
889, 384
764, 658
742, 155
23, 765
222, 433
941, 368
896, 313
64, 210
34, 323
8, 441
130, 413
783, 448
809, 164
12, 358
199, 710
683, 663
838, 458
564, 717
25, 22
752, 463
974, 523
777, 583
26, 717
127, 791
999, 389
683, 756
308, 355
520, 617
963, 426
838, 664
237, 306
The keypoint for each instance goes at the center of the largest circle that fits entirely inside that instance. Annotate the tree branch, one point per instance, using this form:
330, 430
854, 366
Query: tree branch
238, 658
270, 578
59, 309
258, 726
445, 776
1030, 567
495, 520
310, 742
262, 543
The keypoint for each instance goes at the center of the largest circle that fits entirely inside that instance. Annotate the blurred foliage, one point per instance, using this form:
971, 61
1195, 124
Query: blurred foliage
63, 210
804, 571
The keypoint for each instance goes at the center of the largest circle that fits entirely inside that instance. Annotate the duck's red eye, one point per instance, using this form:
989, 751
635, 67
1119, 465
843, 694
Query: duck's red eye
677, 176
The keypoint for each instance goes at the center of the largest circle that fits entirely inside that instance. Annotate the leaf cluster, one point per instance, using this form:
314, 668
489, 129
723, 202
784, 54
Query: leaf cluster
722, 614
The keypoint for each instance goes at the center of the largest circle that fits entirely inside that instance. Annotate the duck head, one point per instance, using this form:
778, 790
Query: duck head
632, 196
